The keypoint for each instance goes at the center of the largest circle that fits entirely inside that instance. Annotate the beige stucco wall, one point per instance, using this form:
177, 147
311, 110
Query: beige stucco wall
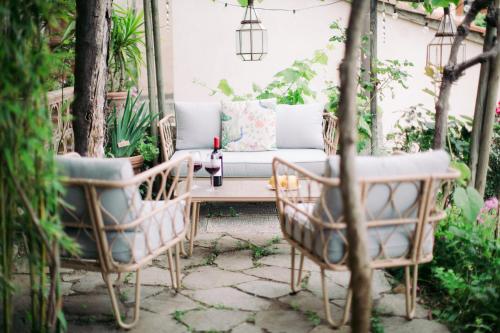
199, 46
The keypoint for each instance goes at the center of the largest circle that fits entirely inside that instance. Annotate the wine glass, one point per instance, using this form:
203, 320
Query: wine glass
197, 165
212, 166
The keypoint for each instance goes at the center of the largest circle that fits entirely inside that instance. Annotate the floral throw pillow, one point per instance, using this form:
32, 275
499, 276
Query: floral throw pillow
249, 125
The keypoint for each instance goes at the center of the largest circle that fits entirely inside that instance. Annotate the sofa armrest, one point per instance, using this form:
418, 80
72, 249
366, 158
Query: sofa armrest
330, 133
166, 128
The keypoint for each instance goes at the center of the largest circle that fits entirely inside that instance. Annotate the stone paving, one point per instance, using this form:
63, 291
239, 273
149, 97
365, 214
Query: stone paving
236, 281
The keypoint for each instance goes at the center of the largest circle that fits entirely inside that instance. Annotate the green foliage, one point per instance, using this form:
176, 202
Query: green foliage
389, 74
463, 280
469, 201
125, 56
29, 185
376, 323
128, 131
480, 20
289, 86
313, 317
62, 41
414, 131
148, 149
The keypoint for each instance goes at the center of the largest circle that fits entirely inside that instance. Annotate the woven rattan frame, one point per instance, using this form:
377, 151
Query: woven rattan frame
322, 222
158, 186
167, 135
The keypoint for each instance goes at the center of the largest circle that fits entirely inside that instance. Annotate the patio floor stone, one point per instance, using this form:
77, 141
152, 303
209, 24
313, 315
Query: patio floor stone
268, 289
283, 322
212, 277
214, 319
229, 298
235, 261
225, 290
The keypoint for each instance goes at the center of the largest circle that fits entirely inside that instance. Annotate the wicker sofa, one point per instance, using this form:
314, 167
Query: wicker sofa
187, 130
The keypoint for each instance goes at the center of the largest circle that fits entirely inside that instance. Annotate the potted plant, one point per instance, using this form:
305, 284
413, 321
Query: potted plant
128, 133
125, 56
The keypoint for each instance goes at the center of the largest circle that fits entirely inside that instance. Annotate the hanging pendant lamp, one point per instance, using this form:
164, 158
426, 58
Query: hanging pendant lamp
438, 50
251, 37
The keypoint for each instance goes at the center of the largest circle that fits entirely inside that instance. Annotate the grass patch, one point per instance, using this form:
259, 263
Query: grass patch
178, 315
376, 323
313, 317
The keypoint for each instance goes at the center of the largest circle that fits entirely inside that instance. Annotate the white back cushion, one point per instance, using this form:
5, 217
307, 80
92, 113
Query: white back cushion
299, 126
197, 124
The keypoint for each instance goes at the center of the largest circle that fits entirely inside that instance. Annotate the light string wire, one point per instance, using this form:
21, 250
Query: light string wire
225, 3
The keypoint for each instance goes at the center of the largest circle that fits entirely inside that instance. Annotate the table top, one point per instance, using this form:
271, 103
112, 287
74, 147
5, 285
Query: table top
236, 190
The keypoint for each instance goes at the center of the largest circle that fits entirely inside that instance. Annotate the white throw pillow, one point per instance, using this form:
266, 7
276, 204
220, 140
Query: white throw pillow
248, 125
299, 126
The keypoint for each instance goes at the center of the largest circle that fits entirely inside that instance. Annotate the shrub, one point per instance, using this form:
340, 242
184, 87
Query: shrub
463, 280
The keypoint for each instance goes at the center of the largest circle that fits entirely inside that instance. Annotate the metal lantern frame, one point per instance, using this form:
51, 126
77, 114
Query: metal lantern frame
438, 50
251, 26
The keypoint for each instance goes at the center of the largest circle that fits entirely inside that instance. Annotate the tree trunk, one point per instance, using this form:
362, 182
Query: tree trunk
150, 62
479, 108
375, 124
489, 113
158, 59
359, 263
449, 75
93, 23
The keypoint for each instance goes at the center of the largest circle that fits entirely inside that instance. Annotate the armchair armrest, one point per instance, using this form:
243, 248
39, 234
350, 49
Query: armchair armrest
330, 133
166, 128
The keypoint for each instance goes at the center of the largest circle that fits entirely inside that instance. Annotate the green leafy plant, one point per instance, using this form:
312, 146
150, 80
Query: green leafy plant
128, 131
390, 74
29, 184
148, 149
125, 56
289, 86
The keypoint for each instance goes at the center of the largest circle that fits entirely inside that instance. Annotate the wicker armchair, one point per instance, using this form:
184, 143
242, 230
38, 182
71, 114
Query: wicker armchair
401, 215
121, 222
167, 135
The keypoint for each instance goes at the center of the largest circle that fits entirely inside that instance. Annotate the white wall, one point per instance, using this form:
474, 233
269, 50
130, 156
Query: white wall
203, 49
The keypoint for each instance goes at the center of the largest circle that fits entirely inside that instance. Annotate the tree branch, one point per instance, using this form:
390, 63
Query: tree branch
453, 73
443, 103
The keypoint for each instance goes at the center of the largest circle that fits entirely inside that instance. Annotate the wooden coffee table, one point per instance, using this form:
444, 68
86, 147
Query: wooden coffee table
232, 190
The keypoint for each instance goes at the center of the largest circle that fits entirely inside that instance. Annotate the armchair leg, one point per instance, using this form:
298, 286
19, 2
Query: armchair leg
411, 290
326, 302
195, 215
294, 285
114, 300
177, 267
171, 268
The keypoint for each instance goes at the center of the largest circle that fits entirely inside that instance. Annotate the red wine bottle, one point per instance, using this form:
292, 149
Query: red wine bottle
216, 153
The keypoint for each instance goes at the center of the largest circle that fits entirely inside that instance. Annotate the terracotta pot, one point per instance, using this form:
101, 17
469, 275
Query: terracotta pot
137, 163
116, 98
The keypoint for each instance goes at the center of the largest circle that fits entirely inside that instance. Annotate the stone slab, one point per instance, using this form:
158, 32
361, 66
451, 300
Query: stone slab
168, 302
279, 274
230, 298
268, 289
395, 305
401, 325
282, 321
212, 277
214, 319
235, 261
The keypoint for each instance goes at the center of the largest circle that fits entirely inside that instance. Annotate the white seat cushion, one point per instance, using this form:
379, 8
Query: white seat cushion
389, 242
131, 246
259, 164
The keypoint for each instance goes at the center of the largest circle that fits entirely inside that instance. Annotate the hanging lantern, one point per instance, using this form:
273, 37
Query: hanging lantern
251, 37
438, 50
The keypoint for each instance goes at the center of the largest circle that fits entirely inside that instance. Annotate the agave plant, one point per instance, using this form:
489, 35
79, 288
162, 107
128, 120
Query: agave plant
125, 56
128, 130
